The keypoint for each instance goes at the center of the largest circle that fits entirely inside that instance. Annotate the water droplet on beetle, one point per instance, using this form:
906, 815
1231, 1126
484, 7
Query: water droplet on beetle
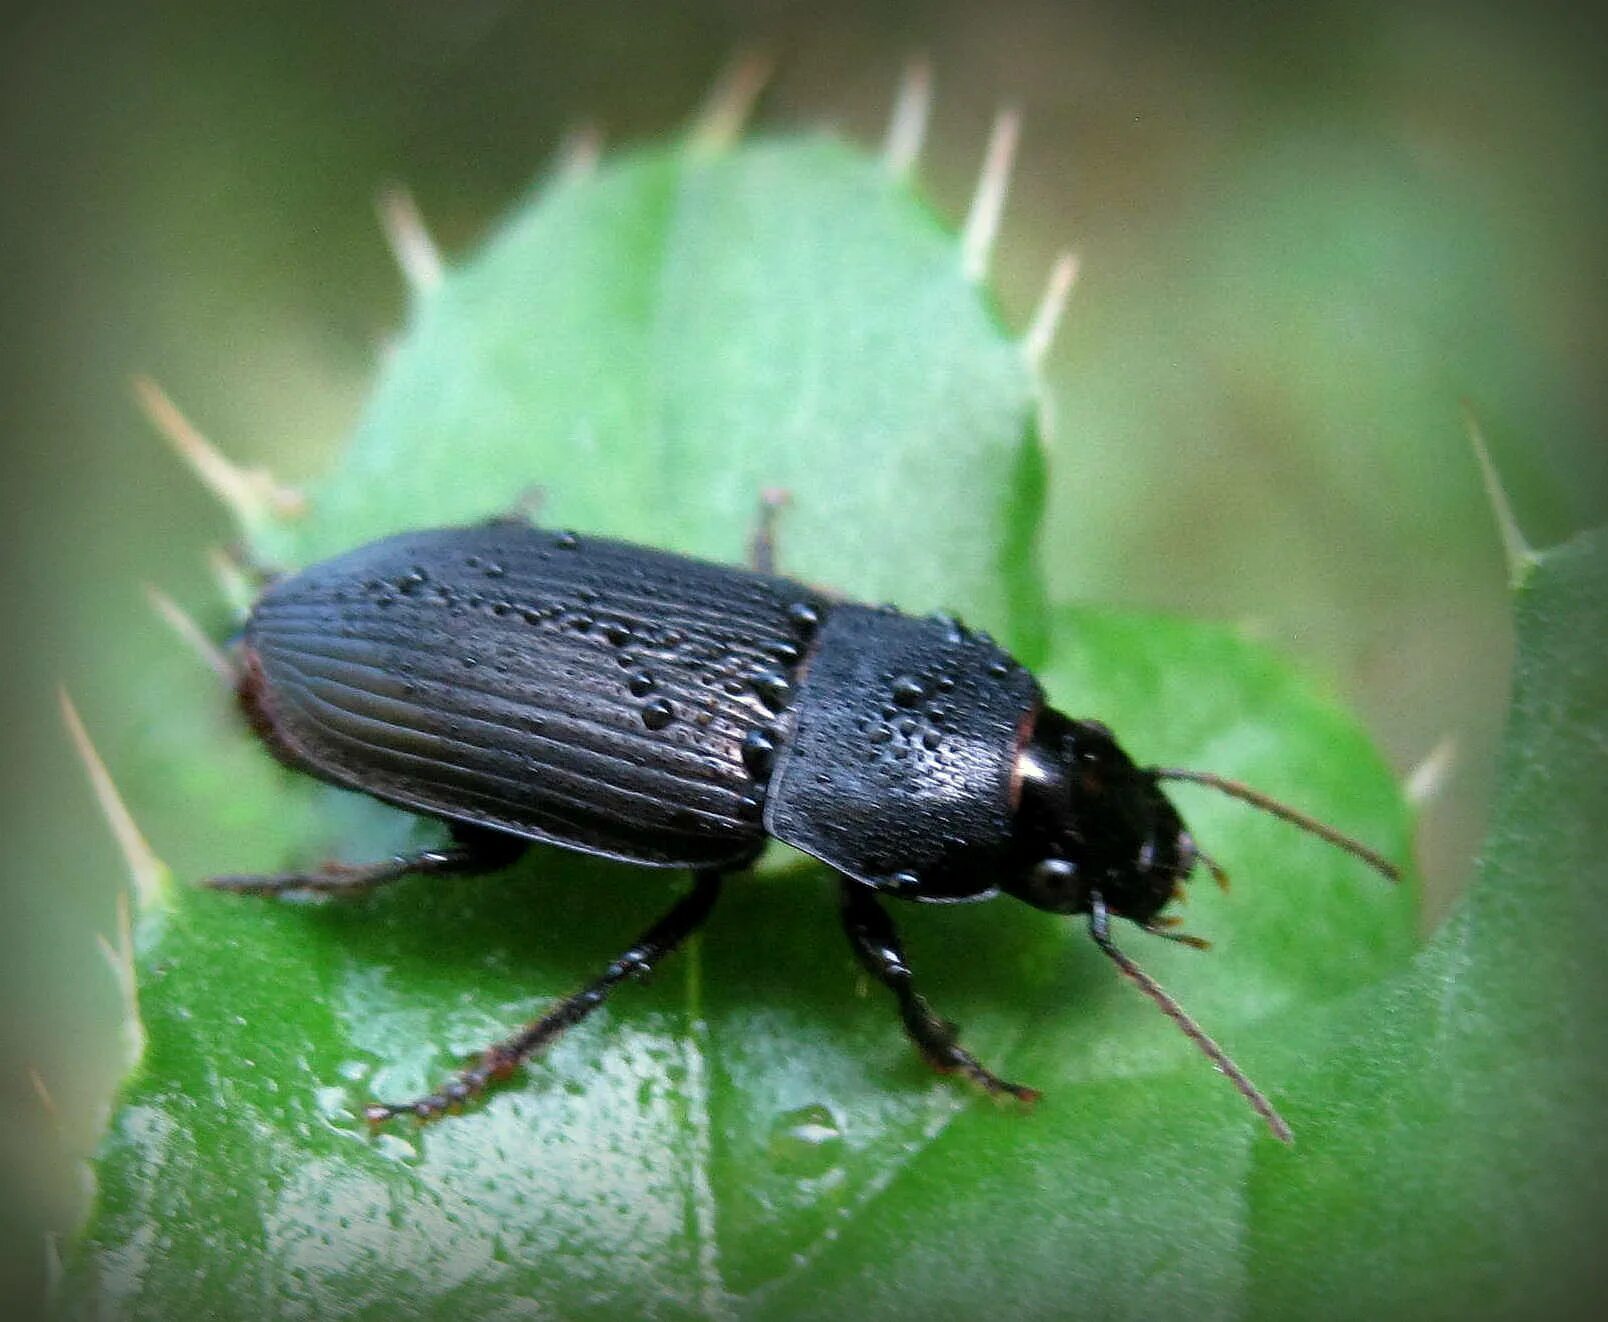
908, 690
773, 689
640, 682
494, 570
617, 633
759, 751
658, 714
803, 616
566, 541
880, 734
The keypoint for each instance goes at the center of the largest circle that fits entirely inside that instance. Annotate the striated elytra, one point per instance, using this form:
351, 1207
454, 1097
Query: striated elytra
522, 685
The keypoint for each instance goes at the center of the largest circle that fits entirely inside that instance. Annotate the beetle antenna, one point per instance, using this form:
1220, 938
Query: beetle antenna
1100, 930
1237, 790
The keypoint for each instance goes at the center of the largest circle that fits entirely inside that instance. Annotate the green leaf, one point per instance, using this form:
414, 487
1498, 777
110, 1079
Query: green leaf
1457, 1151
747, 1135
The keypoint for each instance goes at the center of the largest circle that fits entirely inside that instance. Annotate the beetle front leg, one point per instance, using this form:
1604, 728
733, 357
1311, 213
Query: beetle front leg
501, 1059
877, 946
472, 852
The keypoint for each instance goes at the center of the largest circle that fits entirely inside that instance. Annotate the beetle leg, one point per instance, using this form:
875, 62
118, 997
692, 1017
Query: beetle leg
472, 852
501, 1059
762, 541
525, 510
877, 946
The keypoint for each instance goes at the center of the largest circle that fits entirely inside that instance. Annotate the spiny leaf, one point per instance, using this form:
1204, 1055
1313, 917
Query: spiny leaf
1457, 1154
653, 344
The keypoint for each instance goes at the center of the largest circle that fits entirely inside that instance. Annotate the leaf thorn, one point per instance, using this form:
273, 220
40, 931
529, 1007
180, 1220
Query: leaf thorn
234, 583
1426, 780
1051, 308
578, 153
190, 633
730, 102
54, 1274
119, 957
251, 495
907, 125
147, 873
42, 1092
409, 239
1521, 556
988, 202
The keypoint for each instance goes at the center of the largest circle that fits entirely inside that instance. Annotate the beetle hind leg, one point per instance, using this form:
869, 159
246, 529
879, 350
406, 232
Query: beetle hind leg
472, 852
877, 946
501, 1059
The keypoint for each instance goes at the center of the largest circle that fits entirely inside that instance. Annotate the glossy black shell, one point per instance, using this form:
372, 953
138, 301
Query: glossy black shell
901, 763
578, 691
644, 706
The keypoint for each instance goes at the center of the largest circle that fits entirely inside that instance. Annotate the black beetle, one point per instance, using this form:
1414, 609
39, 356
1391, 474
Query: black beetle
524, 685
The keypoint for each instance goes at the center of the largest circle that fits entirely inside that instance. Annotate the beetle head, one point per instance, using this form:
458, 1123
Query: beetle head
1091, 822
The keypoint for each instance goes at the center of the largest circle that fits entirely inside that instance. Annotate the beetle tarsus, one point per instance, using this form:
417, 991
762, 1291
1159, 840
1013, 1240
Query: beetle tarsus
876, 945
499, 1061
472, 854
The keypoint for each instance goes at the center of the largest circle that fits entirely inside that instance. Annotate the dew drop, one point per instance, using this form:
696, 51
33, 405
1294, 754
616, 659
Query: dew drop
759, 751
396, 1148
804, 617
905, 883
908, 690
806, 1143
640, 682
494, 570
658, 714
999, 668
566, 541
773, 689
880, 734
617, 633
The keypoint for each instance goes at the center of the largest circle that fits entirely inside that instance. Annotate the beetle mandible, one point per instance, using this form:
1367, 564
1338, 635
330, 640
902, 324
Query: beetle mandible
524, 685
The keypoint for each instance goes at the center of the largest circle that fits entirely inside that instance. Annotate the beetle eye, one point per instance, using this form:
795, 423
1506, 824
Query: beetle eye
1054, 880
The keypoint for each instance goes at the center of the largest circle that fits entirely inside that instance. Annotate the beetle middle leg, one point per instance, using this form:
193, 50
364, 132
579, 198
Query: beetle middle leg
877, 946
501, 1059
472, 852
762, 541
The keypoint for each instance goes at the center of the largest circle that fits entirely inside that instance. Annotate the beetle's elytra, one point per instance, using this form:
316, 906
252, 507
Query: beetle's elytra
524, 685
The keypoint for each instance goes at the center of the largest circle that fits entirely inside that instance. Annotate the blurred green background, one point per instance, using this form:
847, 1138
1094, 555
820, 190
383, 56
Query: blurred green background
1308, 234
